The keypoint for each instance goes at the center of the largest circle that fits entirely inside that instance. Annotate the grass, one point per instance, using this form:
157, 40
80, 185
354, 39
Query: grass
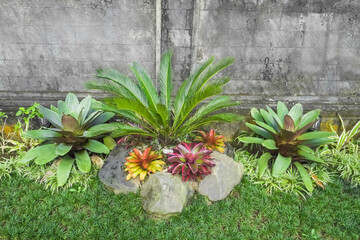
30, 212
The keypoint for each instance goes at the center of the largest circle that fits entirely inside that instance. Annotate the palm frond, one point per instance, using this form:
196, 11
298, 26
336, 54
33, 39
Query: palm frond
127, 87
146, 85
165, 80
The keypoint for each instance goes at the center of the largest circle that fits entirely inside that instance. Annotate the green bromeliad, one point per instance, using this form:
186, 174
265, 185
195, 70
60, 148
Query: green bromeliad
285, 135
68, 139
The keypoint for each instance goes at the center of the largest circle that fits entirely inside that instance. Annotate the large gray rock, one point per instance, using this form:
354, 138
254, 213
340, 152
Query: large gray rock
165, 195
112, 174
224, 177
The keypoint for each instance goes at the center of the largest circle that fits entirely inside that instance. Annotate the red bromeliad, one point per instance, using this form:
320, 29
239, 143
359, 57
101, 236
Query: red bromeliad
139, 163
211, 140
191, 160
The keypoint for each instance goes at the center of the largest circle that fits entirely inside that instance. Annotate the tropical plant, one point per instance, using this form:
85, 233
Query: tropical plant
192, 161
67, 139
12, 141
289, 182
162, 115
141, 163
284, 134
344, 154
211, 140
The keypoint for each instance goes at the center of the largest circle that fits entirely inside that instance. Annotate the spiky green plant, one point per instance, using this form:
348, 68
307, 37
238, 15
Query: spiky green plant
160, 114
66, 139
284, 135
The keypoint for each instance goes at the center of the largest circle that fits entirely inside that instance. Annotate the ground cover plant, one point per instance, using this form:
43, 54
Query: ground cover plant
66, 140
284, 135
30, 212
344, 154
163, 116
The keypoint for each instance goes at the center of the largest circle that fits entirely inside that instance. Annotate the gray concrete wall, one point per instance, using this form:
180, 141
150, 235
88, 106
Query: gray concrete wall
304, 51
51, 47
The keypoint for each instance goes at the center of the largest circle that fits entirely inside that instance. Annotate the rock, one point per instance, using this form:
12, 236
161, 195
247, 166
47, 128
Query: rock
97, 161
224, 177
165, 195
112, 173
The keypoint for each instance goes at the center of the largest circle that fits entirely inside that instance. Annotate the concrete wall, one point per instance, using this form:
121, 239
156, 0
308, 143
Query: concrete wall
51, 47
305, 51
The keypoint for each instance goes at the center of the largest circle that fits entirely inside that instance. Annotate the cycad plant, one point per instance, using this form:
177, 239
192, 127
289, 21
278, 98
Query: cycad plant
161, 115
66, 138
284, 135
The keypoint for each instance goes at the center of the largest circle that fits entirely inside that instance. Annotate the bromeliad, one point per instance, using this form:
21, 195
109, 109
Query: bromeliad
285, 135
68, 138
142, 163
192, 161
211, 140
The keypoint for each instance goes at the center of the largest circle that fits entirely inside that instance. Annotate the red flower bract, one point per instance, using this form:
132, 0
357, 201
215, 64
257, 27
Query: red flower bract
192, 161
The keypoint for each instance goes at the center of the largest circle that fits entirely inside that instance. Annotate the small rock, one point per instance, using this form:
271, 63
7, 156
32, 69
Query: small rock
224, 177
165, 195
112, 174
97, 161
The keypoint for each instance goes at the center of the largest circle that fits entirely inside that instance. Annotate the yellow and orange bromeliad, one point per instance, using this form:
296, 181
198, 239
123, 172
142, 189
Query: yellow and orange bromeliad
142, 163
211, 140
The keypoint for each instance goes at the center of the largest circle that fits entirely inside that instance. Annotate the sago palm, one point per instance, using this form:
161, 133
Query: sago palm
159, 114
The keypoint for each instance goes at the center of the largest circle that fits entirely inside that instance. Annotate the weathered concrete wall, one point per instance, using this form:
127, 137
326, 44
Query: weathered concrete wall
51, 47
297, 51
304, 51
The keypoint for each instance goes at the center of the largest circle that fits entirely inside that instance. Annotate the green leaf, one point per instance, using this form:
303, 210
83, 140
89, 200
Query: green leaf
305, 148
63, 108
255, 114
48, 154
63, 170
315, 135
63, 149
96, 146
165, 80
279, 122
109, 142
185, 87
269, 119
251, 140
295, 113
42, 134
33, 153
123, 113
72, 102
126, 129
263, 163
354, 130
83, 161
102, 118
266, 127
51, 116
305, 176
317, 142
84, 108
146, 85
282, 110
270, 144
221, 117
308, 118
310, 156
281, 165
123, 86
212, 106
262, 132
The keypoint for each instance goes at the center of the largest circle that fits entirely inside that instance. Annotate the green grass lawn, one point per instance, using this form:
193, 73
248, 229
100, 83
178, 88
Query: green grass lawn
27, 211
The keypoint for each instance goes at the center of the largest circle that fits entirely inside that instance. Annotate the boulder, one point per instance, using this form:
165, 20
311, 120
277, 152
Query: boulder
165, 195
112, 174
224, 177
